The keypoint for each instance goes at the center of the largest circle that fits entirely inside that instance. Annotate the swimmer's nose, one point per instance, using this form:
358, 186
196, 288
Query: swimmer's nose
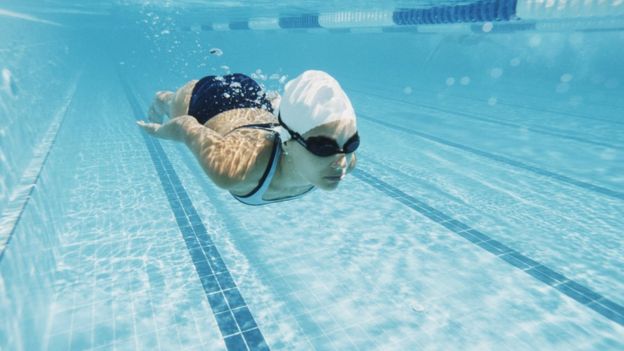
340, 162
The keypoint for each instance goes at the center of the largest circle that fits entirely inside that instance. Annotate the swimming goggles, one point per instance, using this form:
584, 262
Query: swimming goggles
323, 146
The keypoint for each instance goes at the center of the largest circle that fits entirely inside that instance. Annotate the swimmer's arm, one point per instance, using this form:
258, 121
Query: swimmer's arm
228, 160
175, 129
231, 161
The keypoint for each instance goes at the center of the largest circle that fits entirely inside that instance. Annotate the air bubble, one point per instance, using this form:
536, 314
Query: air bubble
535, 41
215, 52
496, 73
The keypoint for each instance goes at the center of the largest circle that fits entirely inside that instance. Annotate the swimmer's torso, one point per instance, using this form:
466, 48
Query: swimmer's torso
258, 140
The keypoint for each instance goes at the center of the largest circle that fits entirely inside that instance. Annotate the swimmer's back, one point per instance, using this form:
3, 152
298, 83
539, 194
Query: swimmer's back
227, 121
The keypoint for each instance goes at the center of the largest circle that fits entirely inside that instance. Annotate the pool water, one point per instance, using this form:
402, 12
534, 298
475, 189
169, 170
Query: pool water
486, 211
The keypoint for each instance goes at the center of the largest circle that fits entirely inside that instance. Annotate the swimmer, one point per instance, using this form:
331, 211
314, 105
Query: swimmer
262, 148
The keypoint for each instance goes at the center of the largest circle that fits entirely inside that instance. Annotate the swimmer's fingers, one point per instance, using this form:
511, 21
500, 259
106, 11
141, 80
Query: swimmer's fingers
151, 128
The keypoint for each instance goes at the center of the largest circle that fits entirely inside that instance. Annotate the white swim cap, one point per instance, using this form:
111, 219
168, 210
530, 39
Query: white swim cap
312, 99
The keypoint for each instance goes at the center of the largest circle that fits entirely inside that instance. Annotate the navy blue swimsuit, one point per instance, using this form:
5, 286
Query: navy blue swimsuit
215, 94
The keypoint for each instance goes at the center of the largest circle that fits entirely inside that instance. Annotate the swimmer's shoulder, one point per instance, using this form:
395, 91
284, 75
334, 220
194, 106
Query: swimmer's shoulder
248, 152
227, 121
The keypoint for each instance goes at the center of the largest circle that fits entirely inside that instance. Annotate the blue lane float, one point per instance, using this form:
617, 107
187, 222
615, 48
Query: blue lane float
303, 21
509, 16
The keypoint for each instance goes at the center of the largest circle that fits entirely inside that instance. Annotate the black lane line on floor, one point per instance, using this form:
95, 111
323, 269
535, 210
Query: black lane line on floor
537, 130
504, 160
551, 111
570, 288
235, 321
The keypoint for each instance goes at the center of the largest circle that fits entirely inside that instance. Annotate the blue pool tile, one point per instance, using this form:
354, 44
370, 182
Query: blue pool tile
613, 315
192, 214
235, 343
494, 247
123, 328
186, 203
573, 289
103, 335
474, 236
611, 305
255, 340
225, 280
80, 340
217, 302
203, 268
211, 251
574, 294
181, 216
525, 260
192, 243
546, 275
244, 319
583, 290
197, 255
217, 264
181, 194
195, 220
197, 260
516, 259
58, 342
204, 241
181, 221
455, 225
210, 284
187, 232
200, 230
234, 298
226, 323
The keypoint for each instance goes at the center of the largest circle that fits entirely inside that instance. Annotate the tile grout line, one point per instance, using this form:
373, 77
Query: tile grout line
504, 160
489, 119
15, 208
219, 287
568, 287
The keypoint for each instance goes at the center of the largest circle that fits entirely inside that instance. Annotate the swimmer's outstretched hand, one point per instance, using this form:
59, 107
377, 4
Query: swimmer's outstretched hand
175, 129
150, 128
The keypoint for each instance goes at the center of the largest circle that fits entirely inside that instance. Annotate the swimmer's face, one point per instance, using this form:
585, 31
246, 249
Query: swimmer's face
325, 172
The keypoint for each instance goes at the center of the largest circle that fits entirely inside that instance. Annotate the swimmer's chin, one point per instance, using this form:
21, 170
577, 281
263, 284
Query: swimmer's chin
328, 186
